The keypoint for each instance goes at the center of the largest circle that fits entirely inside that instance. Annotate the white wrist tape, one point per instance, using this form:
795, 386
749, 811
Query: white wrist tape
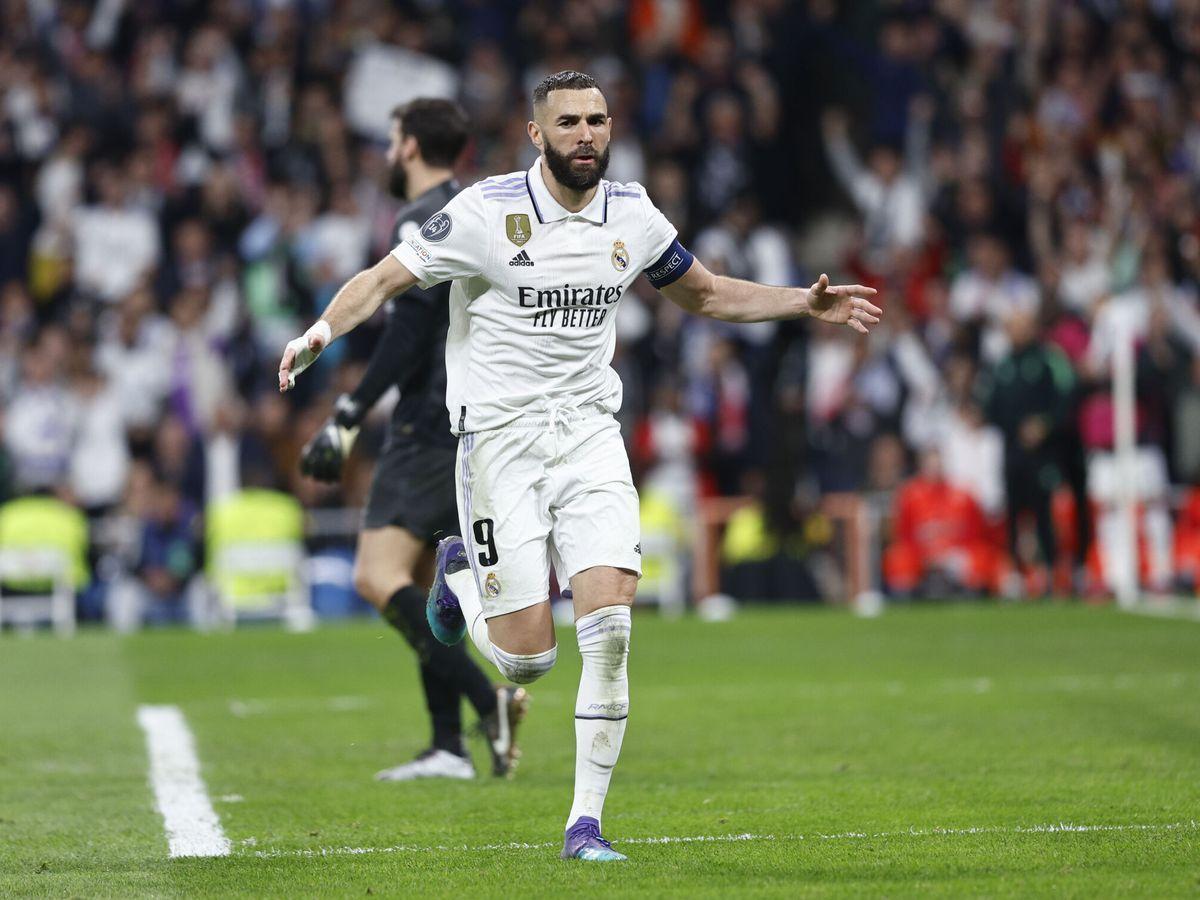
304, 356
320, 327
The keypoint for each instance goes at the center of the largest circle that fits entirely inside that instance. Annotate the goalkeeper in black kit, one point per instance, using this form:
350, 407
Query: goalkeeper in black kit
412, 497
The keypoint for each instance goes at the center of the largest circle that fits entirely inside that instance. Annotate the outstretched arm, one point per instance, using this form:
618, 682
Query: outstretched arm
701, 292
855, 178
353, 304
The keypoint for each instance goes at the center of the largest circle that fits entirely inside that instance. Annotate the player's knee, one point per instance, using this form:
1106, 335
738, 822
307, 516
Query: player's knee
524, 668
603, 638
367, 587
373, 587
604, 648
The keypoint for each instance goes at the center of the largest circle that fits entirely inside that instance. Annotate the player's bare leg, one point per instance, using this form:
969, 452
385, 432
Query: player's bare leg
520, 644
392, 566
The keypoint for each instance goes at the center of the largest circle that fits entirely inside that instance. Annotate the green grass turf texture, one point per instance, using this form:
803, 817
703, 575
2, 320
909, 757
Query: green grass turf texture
797, 724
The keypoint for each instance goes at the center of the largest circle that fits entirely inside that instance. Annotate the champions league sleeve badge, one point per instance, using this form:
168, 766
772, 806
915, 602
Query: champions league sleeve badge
438, 227
620, 256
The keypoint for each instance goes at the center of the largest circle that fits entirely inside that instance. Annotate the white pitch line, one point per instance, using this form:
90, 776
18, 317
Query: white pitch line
513, 845
192, 826
1050, 828
243, 709
1180, 611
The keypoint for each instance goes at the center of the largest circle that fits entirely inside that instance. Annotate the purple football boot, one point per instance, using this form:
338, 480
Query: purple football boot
441, 609
583, 841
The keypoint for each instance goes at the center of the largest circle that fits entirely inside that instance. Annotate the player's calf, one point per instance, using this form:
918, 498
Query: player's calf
601, 710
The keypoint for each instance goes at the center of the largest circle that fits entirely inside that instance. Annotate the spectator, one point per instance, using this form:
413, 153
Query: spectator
116, 245
214, 164
15, 235
720, 398
199, 375
100, 455
178, 459
888, 190
939, 539
134, 355
990, 294
667, 445
40, 422
169, 554
1027, 396
973, 459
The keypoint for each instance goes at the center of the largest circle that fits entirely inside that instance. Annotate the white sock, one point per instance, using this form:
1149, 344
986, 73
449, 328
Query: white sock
464, 587
600, 707
1109, 532
524, 668
1158, 536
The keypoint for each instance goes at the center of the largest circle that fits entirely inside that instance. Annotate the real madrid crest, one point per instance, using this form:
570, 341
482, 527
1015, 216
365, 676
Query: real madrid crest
517, 227
620, 256
492, 585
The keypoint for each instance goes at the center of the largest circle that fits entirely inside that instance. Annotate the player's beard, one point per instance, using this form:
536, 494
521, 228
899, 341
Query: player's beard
560, 168
398, 182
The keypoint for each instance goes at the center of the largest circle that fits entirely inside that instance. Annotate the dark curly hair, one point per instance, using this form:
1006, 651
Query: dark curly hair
440, 127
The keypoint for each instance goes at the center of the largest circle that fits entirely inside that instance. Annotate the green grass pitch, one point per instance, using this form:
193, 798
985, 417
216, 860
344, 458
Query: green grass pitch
930, 752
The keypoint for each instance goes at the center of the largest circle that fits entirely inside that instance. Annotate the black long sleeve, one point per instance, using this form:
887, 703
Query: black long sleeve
405, 345
416, 326
411, 351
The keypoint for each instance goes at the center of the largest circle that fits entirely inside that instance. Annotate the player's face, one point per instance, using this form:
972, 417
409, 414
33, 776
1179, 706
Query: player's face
397, 176
572, 129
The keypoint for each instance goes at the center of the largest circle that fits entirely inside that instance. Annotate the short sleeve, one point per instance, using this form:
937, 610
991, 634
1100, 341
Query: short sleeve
453, 242
660, 233
669, 260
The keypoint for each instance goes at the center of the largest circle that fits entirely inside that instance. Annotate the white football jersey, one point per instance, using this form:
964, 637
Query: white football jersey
536, 288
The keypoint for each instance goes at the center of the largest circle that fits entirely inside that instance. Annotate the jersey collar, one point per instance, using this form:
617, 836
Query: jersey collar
549, 210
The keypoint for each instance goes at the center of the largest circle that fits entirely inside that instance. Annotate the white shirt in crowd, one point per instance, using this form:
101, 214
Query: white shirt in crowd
100, 459
533, 306
973, 460
893, 213
39, 431
1082, 285
975, 296
59, 187
140, 373
209, 94
113, 249
1130, 313
338, 244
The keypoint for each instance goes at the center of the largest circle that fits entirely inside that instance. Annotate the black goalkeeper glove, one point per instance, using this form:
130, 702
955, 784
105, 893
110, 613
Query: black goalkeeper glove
348, 412
323, 457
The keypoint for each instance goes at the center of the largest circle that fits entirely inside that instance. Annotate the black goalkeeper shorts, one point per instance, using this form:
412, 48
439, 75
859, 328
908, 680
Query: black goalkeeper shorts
413, 488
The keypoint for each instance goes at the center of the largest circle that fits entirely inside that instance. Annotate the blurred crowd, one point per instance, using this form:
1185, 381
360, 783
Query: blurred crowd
184, 185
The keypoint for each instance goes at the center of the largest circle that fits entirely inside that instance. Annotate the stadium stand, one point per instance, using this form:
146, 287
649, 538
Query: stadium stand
184, 184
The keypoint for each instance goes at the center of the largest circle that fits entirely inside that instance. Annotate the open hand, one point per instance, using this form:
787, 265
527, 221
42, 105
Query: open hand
843, 304
300, 353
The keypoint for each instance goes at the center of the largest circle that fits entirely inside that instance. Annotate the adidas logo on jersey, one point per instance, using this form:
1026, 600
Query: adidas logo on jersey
521, 259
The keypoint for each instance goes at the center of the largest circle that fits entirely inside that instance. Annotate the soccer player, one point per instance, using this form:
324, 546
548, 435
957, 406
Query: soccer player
412, 496
539, 261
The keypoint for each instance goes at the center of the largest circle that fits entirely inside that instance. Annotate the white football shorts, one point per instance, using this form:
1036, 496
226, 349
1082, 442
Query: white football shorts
545, 489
